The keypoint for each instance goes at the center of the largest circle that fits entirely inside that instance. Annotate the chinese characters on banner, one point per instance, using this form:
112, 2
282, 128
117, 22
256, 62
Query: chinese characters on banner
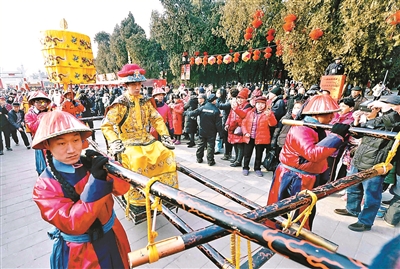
333, 84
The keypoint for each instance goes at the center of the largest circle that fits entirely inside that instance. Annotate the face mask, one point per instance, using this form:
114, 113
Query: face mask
295, 111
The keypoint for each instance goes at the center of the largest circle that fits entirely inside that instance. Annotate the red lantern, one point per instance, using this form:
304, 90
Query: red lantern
205, 53
231, 50
191, 60
219, 61
270, 38
249, 30
267, 55
205, 60
248, 36
256, 57
290, 18
394, 19
258, 14
196, 53
288, 26
271, 31
236, 55
268, 50
235, 60
316, 34
257, 52
256, 23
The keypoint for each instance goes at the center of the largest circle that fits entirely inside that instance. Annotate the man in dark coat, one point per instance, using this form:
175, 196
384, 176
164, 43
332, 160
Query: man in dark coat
335, 68
210, 125
191, 122
16, 117
4, 126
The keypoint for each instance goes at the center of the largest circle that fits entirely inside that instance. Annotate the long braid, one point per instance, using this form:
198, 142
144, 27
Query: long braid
73, 195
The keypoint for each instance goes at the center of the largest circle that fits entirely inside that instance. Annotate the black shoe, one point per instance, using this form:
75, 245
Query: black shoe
1, 152
232, 160
199, 160
191, 145
9, 149
343, 212
28, 147
211, 163
359, 227
217, 152
236, 164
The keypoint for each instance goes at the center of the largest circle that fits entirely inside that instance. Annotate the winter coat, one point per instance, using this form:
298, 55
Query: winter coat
210, 122
262, 127
191, 122
177, 116
234, 120
4, 123
13, 119
374, 150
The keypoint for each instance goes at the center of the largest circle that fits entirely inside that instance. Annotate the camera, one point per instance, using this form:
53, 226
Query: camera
364, 106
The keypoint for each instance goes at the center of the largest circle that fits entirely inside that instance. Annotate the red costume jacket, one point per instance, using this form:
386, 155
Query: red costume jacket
96, 202
303, 157
177, 116
234, 120
263, 135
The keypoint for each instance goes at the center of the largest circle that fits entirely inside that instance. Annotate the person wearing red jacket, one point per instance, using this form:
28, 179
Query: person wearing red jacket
70, 105
164, 110
239, 109
75, 194
304, 155
39, 102
177, 108
255, 128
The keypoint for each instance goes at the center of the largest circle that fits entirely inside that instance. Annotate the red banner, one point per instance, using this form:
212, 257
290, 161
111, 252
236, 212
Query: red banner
333, 84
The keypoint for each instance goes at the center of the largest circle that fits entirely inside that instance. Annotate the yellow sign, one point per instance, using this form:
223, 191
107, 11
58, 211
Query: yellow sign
333, 84
68, 57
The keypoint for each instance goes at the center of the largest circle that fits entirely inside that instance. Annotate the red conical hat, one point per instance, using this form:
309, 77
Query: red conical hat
320, 104
38, 95
57, 123
158, 91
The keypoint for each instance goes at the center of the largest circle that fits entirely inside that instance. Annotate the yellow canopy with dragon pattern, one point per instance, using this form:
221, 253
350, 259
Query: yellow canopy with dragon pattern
68, 56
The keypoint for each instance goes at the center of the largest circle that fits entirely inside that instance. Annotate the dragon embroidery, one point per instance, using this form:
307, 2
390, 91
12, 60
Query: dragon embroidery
89, 78
87, 61
52, 40
85, 44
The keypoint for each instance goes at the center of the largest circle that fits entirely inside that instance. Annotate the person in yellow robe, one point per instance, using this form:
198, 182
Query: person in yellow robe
126, 126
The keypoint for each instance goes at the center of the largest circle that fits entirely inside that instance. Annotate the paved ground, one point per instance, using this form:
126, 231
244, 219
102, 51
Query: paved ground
24, 243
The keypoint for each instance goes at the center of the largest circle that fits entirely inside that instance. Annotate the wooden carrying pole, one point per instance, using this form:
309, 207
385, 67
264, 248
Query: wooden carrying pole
352, 130
300, 251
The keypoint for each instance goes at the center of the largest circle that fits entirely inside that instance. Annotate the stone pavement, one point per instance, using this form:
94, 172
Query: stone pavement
24, 242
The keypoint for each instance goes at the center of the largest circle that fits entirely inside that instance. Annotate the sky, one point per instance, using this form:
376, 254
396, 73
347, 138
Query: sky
22, 20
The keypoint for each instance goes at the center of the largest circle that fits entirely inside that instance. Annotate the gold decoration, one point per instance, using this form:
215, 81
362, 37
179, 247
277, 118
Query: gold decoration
63, 24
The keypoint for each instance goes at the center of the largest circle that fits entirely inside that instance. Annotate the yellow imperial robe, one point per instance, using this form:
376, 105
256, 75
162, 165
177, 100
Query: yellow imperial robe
129, 118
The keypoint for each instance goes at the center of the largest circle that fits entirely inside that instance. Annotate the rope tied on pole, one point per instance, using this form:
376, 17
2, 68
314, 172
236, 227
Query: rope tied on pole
235, 251
305, 214
151, 233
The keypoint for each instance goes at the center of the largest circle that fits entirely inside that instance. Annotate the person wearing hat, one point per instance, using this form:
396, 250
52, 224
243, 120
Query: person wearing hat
70, 105
371, 151
177, 109
335, 68
255, 128
304, 155
165, 112
40, 103
16, 117
239, 109
5, 127
358, 98
126, 128
210, 123
275, 102
75, 195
